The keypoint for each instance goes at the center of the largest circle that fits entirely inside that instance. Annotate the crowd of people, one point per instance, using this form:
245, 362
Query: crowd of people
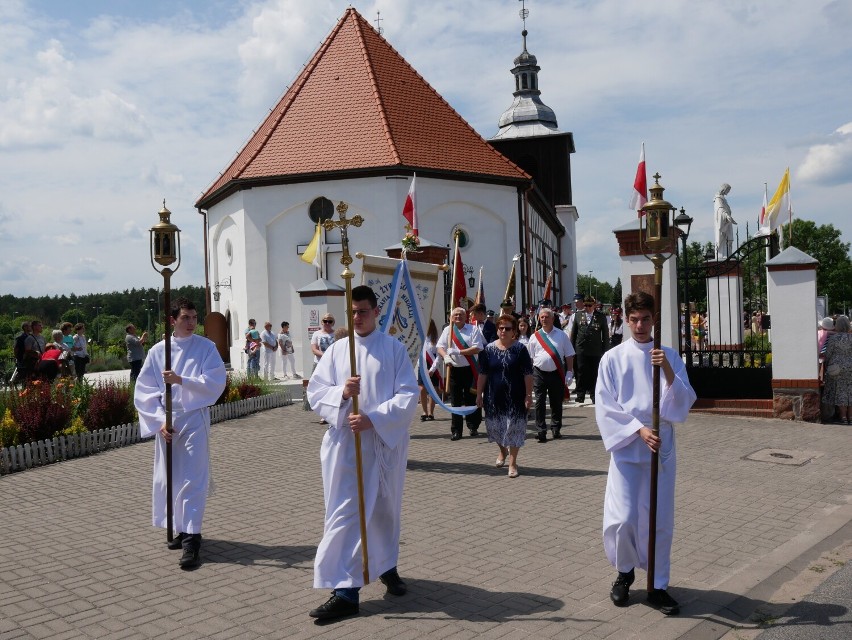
263, 347
38, 359
494, 381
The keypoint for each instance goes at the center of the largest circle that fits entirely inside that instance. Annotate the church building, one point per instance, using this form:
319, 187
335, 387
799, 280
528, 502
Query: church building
356, 125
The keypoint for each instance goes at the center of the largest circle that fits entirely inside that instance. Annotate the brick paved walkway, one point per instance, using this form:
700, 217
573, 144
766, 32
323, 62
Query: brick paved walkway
484, 555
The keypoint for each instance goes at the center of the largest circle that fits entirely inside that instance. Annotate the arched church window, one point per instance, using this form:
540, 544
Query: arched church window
532, 81
517, 83
524, 81
464, 236
321, 209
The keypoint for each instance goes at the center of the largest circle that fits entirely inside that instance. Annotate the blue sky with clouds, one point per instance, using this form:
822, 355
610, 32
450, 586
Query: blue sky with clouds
108, 107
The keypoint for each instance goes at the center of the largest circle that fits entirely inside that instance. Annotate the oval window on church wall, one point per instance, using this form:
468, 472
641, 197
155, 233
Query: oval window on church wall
464, 236
321, 210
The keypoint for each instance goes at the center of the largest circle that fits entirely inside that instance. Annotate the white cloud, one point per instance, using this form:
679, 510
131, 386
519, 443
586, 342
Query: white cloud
830, 163
48, 109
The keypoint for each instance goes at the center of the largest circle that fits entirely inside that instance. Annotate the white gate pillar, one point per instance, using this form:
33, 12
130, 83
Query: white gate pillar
791, 289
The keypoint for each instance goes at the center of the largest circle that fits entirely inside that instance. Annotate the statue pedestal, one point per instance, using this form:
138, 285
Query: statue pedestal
725, 309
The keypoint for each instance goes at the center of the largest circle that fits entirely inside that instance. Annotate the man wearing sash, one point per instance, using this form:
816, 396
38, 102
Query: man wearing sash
458, 345
552, 356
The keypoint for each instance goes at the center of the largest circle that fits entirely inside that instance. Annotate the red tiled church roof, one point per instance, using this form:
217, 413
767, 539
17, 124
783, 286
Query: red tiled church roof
359, 105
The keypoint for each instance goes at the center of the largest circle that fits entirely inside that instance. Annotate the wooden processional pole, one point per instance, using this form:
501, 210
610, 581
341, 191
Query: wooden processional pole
346, 259
658, 261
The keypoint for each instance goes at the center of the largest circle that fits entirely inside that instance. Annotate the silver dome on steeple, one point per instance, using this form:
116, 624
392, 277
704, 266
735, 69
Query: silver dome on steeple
527, 116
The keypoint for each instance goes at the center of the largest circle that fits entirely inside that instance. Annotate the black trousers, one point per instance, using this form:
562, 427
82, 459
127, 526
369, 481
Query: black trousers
135, 368
587, 373
461, 381
551, 385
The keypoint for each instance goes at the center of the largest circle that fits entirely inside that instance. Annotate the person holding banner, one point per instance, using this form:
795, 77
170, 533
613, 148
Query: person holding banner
505, 389
387, 401
458, 345
552, 356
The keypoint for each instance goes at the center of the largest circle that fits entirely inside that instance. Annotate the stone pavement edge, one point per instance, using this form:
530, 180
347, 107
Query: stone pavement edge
483, 554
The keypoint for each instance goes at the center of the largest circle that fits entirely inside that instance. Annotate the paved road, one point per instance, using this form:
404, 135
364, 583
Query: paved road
484, 555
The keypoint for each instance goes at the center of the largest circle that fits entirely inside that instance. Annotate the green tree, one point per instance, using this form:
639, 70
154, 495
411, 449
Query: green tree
823, 242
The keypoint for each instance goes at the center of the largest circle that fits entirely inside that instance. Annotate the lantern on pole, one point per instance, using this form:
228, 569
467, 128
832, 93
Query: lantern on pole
165, 252
658, 245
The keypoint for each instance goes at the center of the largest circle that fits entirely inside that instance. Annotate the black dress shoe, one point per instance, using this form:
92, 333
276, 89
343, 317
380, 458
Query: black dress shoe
660, 599
191, 557
556, 434
455, 436
395, 585
542, 437
474, 433
176, 543
581, 397
620, 592
334, 607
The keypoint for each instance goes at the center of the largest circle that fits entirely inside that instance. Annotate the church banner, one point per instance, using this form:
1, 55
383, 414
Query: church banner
402, 315
399, 307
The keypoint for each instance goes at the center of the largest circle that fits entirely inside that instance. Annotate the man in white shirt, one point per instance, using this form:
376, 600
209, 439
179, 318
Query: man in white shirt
269, 344
198, 378
387, 401
624, 413
458, 345
552, 356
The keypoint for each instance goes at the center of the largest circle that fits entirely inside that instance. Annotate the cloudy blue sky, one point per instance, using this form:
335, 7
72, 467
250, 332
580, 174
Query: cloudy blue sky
108, 107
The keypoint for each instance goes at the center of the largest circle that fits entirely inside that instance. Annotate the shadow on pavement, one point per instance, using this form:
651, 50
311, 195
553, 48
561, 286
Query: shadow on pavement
731, 611
462, 602
244, 553
480, 469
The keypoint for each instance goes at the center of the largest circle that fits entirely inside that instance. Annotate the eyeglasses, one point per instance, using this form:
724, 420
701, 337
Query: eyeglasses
505, 328
588, 305
361, 312
328, 321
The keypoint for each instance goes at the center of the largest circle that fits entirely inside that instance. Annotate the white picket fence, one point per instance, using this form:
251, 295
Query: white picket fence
36, 454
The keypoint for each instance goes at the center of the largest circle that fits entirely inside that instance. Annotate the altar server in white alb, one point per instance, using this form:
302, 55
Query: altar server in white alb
198, 378
623, 409
387, 400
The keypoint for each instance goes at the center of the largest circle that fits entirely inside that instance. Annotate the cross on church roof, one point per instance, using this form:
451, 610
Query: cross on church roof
378, 22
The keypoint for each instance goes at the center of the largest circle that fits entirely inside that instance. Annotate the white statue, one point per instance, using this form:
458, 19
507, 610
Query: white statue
724, 223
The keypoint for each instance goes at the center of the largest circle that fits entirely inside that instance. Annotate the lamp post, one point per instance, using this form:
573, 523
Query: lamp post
97, 309
590, 282
684, 223
657, 241
165, 252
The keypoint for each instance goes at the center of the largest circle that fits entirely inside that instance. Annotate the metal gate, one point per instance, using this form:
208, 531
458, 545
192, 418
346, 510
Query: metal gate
724, 329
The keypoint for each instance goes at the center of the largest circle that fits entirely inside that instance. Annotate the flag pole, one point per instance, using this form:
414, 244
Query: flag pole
347, 275
448, 370
511, 280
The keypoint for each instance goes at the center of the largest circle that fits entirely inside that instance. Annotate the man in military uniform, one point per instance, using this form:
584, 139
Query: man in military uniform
590, 337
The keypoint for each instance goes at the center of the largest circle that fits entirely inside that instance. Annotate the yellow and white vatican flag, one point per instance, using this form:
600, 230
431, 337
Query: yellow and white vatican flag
313, 252
780, 208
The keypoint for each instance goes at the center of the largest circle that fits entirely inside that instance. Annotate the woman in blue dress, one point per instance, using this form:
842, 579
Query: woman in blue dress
504, 390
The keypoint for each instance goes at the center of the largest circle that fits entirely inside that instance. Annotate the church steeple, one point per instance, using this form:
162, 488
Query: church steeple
528, 115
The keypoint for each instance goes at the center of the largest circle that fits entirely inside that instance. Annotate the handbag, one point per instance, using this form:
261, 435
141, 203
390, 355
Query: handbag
833, 370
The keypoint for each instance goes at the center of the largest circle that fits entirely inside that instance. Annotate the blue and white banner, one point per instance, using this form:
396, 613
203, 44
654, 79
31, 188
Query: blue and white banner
405, 297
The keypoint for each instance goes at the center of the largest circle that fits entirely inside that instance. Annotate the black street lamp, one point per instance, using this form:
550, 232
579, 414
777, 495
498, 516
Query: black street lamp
97, 309
684, 223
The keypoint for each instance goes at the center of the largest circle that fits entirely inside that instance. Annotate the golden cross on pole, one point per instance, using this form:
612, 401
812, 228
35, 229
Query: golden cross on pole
343, 224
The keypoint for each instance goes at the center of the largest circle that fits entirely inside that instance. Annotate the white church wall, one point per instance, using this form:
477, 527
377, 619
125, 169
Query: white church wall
268, 223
